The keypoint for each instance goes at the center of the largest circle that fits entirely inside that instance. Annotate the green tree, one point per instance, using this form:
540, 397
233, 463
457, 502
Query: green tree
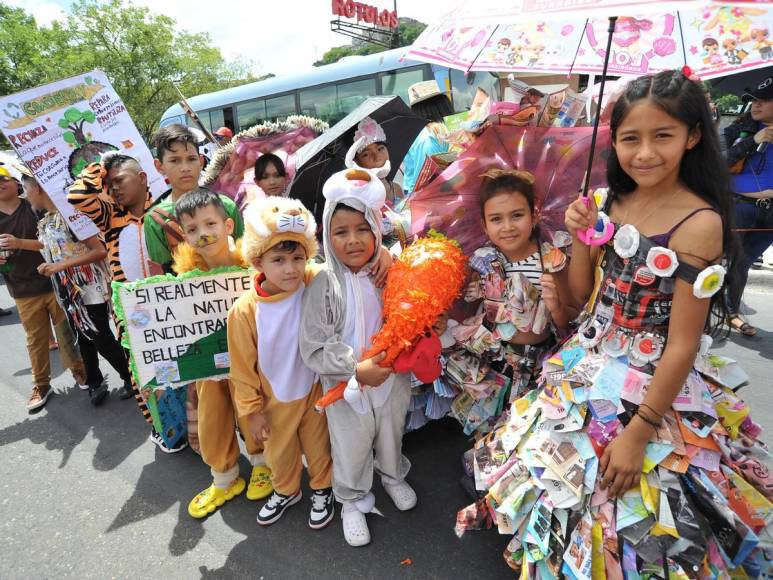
143, 56
26, 51
728, 103
408, 32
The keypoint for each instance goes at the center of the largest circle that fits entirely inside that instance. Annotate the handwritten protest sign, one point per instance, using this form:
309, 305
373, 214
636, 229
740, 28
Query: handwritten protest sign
176, 326
59, 128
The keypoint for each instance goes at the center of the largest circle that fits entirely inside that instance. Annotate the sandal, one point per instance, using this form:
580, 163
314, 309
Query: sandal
213, 497
356, 532
260, 485
744, 328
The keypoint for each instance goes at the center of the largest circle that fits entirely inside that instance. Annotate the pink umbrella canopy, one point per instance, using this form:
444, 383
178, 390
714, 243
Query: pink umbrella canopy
232, 169
712, 38
556, 157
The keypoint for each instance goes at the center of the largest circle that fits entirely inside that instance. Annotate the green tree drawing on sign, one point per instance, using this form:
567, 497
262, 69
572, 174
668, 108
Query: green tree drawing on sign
74, 120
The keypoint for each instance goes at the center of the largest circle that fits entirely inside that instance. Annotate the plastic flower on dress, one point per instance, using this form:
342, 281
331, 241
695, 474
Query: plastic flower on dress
662, 261
626, 241
709, 281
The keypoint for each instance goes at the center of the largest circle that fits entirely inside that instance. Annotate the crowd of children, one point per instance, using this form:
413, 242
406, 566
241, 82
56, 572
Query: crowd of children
570, 374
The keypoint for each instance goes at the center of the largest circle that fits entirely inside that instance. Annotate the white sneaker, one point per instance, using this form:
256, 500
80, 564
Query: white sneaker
402, 495
356, 532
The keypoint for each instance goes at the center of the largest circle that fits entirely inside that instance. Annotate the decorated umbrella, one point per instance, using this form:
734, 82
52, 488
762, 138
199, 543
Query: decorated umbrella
465, 36
231, 170
555, 156
712, 38
324, 156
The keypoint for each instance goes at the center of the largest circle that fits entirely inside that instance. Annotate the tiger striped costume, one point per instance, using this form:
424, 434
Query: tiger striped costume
123, 233
120, 228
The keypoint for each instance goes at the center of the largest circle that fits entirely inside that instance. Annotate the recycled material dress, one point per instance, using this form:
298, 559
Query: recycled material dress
489, 371
703, 508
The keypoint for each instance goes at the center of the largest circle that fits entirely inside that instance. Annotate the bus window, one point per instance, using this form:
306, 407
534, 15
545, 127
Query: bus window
250, 113
279, 108
218, 119
463, 87
398, 82
320, 103
350, 95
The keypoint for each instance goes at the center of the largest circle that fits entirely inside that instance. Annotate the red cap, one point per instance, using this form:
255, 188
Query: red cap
225, 132
423, 360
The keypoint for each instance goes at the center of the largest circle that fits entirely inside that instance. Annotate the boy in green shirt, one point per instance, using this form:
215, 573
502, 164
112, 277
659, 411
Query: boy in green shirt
177, 159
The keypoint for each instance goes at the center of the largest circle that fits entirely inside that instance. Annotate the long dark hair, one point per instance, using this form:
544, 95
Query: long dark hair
703, 170
434, 109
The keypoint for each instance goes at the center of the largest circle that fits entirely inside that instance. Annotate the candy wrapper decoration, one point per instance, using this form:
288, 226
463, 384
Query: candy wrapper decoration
421, 284
556, 157
703, 504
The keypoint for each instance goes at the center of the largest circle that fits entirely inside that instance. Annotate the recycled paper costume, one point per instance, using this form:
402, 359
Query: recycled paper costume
217, 422
489, 370
703, 504
266, 366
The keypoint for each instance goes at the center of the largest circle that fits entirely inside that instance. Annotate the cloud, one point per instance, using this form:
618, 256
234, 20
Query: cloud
277, 36
44, 12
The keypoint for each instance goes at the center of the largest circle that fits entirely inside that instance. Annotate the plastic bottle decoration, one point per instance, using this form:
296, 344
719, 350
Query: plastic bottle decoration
662, 261
626, 241
709, 281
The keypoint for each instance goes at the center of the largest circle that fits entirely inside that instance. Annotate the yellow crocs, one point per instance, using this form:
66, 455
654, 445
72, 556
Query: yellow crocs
260, 483
213, 497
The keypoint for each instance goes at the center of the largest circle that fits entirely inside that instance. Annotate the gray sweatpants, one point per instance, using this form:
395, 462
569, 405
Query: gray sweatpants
355, 437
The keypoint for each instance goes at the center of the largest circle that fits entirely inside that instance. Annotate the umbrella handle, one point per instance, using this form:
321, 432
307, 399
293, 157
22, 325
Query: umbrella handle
600, 233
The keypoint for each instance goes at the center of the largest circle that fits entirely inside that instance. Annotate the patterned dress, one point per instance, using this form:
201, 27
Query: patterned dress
703, 507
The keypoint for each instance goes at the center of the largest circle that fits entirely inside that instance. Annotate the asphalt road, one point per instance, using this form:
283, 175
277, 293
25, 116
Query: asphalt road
84, 494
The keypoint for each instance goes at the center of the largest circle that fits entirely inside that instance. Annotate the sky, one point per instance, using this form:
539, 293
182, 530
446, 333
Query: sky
286, 34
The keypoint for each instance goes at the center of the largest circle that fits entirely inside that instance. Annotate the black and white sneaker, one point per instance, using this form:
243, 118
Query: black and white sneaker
322, 508
97, 394
275, 506
158, 441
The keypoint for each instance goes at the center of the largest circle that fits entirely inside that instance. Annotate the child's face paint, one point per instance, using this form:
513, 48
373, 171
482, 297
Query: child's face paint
207, 231
206, 240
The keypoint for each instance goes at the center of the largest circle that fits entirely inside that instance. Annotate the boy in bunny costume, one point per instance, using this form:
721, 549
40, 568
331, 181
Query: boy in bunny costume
341, 311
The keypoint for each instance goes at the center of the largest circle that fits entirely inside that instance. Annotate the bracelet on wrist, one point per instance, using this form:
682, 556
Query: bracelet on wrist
655, 425
646, 406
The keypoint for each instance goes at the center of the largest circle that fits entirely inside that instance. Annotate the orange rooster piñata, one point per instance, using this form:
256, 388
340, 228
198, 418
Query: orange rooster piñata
422, 284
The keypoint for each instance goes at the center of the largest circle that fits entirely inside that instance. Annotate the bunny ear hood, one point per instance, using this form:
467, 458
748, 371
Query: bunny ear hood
359, 189
272, 220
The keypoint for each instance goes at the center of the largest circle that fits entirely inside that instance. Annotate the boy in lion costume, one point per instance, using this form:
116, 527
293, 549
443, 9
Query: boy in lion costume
275, 390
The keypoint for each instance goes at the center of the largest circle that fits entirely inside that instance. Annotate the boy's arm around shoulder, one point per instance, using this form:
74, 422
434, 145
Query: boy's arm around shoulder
321, 346
243, 352
155, 240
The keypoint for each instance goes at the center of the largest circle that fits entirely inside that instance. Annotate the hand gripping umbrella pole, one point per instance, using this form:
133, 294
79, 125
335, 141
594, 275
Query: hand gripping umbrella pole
603, 230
